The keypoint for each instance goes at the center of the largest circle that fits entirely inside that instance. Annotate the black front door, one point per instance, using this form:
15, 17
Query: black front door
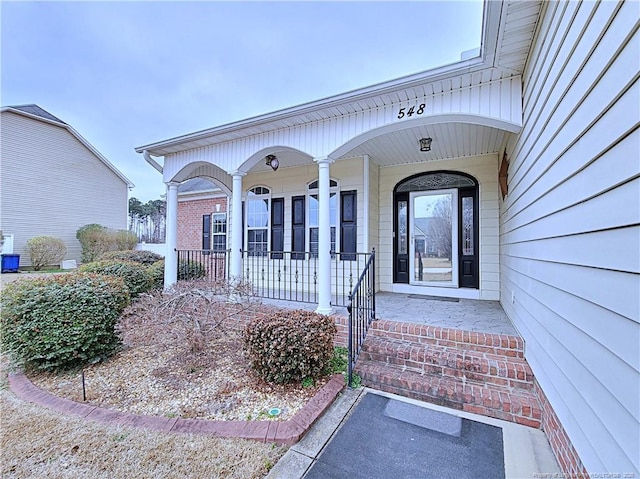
407, 240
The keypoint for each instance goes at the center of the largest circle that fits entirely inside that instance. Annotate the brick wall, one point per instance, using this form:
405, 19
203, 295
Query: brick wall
190, 220
564, 451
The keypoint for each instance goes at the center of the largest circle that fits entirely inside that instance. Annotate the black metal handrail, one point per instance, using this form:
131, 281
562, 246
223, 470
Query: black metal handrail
202, 264
362, 311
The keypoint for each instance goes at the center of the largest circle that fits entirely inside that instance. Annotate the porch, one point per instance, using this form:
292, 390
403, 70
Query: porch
289, 280
454, 313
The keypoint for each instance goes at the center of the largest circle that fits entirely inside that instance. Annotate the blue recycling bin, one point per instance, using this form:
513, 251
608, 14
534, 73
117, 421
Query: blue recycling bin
10, 263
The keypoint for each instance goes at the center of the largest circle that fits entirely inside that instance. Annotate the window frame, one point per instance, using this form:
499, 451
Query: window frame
257, 193
214, 233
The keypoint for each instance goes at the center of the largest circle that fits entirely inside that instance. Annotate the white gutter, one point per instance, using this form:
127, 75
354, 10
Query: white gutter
151, 161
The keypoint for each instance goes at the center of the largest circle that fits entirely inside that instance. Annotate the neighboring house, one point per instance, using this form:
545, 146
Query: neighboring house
535, 144
202, 215
54, 182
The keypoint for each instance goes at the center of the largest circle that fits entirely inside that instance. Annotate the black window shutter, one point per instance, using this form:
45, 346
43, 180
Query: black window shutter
277, 227
297, 227
206, 232
348, 226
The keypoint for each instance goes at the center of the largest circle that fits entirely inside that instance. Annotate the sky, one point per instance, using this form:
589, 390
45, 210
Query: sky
126, 74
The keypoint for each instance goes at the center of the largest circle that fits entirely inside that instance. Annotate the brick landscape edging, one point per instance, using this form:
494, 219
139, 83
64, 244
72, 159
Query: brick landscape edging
281, 432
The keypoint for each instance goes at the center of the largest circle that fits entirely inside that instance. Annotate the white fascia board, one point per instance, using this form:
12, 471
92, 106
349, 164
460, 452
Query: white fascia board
77, 135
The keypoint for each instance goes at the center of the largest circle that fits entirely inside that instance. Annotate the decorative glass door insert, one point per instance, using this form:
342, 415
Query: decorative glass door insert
433, 244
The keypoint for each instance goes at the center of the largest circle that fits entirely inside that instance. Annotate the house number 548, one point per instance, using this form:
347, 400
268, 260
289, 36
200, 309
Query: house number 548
411, 111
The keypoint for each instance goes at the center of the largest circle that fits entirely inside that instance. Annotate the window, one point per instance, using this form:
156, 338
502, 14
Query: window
219, 231
257, 206
314, 216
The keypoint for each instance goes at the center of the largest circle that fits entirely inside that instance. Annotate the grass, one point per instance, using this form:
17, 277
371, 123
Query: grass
36, 443
339, 365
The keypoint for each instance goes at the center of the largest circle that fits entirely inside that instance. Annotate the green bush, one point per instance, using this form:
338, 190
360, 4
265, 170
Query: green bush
190, 270
45, 251
134, 274
290, 346
62, 321
124, 240
143, 257
155, 272
95, 240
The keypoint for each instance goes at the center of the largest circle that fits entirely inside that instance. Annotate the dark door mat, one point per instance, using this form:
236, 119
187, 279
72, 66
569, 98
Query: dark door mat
373, 445
436, 298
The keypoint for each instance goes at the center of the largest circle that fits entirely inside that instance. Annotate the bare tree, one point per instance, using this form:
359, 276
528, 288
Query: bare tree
440, 227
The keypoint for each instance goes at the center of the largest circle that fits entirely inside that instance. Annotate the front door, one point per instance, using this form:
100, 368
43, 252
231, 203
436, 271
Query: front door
436, 230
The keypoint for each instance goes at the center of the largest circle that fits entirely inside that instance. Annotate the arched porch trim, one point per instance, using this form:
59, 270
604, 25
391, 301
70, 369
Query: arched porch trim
423, 121
202, 169
284, 153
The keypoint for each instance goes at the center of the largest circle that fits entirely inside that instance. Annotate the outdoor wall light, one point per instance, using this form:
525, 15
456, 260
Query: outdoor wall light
425, 144
272, 161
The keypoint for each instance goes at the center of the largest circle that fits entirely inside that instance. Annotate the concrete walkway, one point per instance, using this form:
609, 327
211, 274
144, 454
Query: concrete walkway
335, 445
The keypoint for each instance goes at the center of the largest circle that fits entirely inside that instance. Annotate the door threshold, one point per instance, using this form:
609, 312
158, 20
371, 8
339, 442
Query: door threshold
460, 293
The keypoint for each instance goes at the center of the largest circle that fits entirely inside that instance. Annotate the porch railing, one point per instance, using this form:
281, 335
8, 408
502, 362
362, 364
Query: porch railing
206, 265
293, 276
283, 275
362, 311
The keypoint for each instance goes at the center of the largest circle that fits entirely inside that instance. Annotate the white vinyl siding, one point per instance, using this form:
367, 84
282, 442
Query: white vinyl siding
570, 235
494, 101
485, 170
52, 185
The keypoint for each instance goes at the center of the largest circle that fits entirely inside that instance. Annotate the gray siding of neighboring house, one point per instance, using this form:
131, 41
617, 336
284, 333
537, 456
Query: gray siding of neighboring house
570, 239
52, 185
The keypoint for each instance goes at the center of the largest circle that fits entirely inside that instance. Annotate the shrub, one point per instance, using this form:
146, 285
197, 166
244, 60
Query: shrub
190, 270
62, 321
290, 346
45, 251
143, 257
95, 240
155, 272
124, 240
134, 274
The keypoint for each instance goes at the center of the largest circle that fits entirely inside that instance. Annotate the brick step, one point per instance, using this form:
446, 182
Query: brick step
517, 405
511, 372
498, 344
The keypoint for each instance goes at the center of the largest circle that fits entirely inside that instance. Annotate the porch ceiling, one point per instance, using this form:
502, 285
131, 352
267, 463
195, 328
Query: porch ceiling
450, 140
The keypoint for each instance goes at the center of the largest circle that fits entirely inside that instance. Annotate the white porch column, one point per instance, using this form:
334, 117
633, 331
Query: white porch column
171, 255
235, 270
324, 238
